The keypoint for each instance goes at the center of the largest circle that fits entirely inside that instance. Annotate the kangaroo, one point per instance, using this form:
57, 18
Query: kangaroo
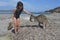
41, 19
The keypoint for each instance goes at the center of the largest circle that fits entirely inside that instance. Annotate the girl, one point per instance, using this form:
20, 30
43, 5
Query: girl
17, 12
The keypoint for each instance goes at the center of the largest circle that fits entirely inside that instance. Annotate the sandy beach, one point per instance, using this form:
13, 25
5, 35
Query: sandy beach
30, 30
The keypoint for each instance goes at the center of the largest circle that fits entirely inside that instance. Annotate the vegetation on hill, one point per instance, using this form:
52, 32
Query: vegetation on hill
57, 10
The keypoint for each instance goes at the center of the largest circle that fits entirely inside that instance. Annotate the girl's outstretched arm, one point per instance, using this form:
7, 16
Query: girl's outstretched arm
27, 12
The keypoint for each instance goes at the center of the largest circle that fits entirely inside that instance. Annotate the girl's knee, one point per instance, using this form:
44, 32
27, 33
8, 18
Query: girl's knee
18, 22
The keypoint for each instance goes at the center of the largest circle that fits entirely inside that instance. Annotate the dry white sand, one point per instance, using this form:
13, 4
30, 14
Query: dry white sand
29, 30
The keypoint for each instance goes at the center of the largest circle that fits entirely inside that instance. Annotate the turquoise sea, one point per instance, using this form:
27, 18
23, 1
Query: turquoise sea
24, 14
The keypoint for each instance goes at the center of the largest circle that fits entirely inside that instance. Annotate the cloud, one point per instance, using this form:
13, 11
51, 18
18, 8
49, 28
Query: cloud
12, 3
3, 3
26, 4
16, 0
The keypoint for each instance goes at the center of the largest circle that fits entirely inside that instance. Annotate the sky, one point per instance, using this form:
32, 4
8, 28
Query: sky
30, 5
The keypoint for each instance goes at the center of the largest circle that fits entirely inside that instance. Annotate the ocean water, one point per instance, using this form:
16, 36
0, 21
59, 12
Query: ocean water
24, 15
27, 17
36, 14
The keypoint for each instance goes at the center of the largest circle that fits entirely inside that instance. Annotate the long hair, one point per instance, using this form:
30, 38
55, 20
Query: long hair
19, 4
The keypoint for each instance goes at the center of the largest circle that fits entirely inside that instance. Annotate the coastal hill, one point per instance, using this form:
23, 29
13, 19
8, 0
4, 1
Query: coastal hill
55, 10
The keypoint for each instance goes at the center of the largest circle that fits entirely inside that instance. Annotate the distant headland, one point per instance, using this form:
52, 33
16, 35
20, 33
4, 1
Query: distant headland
55, 10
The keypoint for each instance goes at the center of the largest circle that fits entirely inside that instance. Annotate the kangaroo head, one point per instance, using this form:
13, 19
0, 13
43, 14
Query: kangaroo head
32, 18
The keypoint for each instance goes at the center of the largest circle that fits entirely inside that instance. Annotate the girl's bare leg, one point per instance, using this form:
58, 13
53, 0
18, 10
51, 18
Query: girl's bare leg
15, 25
18, 24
